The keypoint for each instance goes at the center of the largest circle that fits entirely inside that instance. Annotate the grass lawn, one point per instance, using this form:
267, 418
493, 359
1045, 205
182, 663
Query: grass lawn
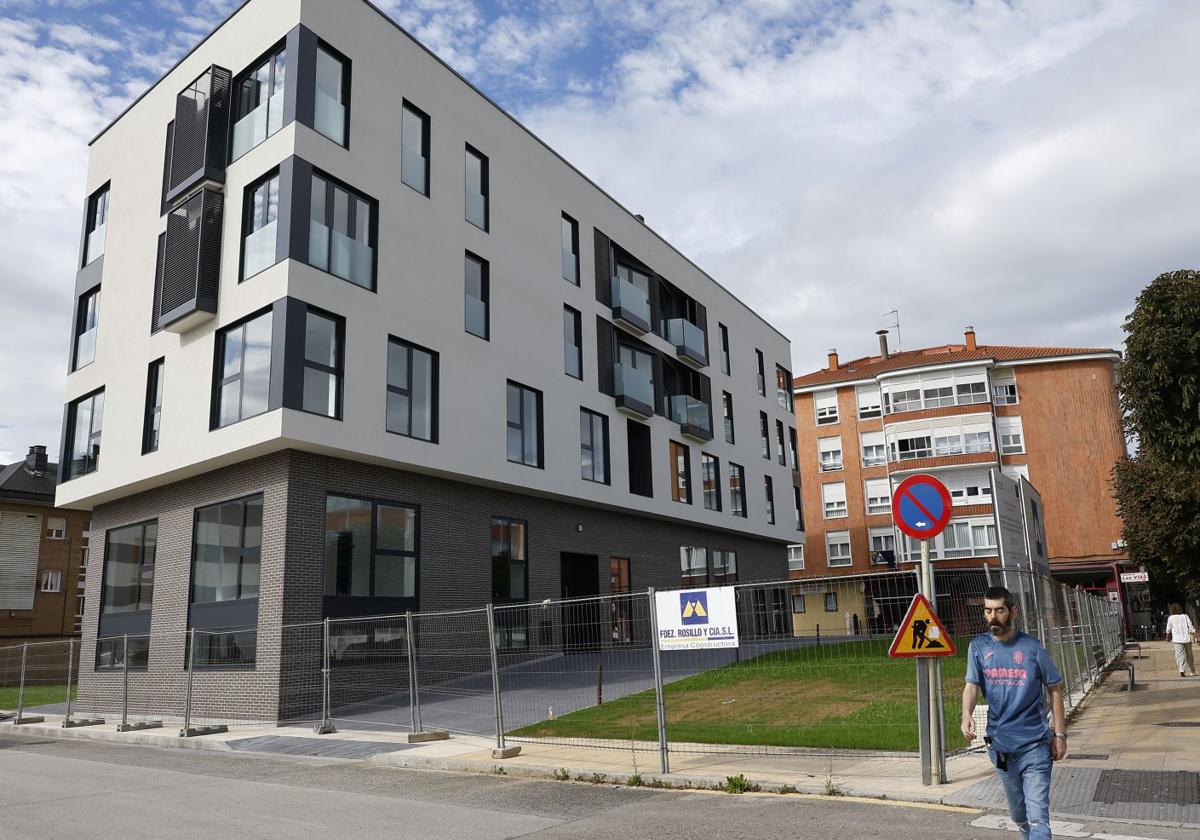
35, 695
849, 696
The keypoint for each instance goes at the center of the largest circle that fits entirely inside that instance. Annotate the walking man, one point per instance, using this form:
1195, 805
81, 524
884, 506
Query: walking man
1011, 668
1181, 633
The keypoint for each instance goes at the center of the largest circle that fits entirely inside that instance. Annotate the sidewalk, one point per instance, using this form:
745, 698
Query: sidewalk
1119, 730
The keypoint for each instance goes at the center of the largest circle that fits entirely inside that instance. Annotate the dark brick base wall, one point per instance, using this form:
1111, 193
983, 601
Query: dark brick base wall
455, 573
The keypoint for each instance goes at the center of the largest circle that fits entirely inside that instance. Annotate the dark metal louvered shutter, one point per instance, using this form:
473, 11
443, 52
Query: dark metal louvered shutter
605, 356
604, 269
191, 261
199, 137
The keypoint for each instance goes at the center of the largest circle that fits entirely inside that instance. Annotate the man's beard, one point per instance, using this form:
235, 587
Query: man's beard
998, 629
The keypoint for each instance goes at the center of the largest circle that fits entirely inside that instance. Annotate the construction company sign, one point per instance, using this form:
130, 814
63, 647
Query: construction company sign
696, 619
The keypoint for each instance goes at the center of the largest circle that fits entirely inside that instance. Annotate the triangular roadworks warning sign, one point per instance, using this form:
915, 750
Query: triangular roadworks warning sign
921, 633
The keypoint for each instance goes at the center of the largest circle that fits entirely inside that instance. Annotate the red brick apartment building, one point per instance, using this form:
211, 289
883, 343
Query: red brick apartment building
957, 411
43, 553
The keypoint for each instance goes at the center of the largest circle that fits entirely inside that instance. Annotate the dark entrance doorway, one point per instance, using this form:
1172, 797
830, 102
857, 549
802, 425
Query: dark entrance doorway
583, 628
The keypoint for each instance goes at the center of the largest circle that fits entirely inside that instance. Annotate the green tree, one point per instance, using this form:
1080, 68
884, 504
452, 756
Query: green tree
1158, 490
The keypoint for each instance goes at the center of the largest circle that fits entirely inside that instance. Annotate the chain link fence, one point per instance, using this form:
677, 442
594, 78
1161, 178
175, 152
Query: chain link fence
810, 673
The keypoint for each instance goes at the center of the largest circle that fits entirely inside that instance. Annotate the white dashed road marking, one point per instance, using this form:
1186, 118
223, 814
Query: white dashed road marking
1058, 829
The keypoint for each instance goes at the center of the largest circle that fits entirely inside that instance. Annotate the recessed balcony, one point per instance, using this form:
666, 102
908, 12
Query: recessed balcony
688, 339
634, 391
693, 416
630, 306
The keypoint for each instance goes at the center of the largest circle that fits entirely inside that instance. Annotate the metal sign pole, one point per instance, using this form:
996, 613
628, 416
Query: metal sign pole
70, 663
660, 706
935, 735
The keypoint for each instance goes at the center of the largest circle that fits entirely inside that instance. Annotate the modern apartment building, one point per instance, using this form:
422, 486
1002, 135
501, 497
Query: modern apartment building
329, 366
958, 411
43, 553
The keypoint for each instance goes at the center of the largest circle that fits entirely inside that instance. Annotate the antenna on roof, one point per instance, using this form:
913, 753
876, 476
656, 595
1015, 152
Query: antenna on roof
895, 313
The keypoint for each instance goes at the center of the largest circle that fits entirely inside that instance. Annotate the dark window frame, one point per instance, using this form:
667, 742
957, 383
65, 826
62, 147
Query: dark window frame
762, 373
737, 497
434, 395
376, 551
83, 309
508, 522
577, 326
95, 436
590, 446
727, 417
337, 371
725, 361
676, 448
248, 218
780, 443
407, 107
484, 183
347, 67
140, 585
730, 574
219, 381
485, 289
574, 225
352, 219
769, 490
784, 396
521, 422
707, 460
153, 410
235, 91
764, 433
242, 548
94, 204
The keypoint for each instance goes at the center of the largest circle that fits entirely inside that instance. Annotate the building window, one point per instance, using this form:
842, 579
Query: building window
874, 454
622, 610
572, 343
794, 460
798, 603
56, 528
834, 498
798, 506
258, 103
762, 373
783, 388
837, 548
414, 148
769, 490
780, 444
883, 540
477, 297
260, 215
323, 341
693, 565
970, 393
97, 224
1004, 388
939, 396
721, 328
331, 111
524, 425
879, 495
87, 320
727, 412
710, 478
412, 390
593, 446
910, 448
906, 400
370, 549
681, 473
827, 408
969, 538
129, 569
51, 581
831, 602
570, 249
243, 370
476, 192
868, 402
737, 490
977, 493
724, 568
510, 569
227, 545
341, 237
152, 421
764, 434
829, 450
85, 418
795, 558
1012, 440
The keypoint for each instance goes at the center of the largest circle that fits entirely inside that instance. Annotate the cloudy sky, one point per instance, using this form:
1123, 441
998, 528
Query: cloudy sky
1023, 166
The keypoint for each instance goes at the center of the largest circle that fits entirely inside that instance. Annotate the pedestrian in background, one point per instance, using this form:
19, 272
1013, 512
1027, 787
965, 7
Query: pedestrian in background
1181, 634
1011, 668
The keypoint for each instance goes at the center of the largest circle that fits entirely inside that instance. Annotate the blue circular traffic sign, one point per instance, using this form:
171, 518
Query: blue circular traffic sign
921, 507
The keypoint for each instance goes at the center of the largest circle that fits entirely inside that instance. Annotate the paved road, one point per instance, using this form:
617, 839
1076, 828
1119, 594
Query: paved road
83, 789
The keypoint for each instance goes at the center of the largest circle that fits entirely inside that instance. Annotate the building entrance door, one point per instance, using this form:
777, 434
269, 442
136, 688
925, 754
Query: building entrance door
582, 622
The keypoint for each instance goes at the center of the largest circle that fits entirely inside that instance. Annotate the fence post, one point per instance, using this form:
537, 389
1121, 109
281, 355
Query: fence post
70, 661
1072, 664
664, 759
1088, 659
987, 574
21, 684
501, 751
326, 725
1035, 583
124, 683
187, 699
414, 699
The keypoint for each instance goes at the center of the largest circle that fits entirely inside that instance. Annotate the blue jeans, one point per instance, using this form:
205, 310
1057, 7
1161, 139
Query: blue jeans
1027, 787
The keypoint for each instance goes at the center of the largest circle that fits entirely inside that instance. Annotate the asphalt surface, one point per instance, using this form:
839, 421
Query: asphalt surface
88, 789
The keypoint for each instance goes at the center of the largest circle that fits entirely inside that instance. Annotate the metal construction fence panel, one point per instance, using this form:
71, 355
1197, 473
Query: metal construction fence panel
810, 672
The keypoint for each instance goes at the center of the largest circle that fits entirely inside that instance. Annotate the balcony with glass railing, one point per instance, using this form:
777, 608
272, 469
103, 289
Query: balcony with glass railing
259, 250
630, 305
692, 415
633, 389
338, 254
85, 348
689, 341
475, 316
95, 244
329, 117
476, 208
257, 125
